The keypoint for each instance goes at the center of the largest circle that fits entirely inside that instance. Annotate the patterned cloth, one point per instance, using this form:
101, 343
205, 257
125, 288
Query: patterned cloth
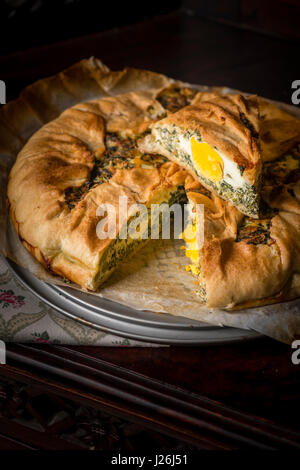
26, 319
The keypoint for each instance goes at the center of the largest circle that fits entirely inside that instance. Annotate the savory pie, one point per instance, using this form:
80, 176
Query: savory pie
97, 151
215, 138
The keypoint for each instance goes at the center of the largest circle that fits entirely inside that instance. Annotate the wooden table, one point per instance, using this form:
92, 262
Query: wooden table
141, 398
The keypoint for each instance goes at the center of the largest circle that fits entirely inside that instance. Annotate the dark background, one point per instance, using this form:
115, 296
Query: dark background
30, 23
250, 45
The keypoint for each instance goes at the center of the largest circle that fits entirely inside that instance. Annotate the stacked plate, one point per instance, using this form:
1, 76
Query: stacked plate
118, 319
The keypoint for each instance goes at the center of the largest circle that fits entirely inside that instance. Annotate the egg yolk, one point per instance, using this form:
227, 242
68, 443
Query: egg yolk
207, 160
189, 236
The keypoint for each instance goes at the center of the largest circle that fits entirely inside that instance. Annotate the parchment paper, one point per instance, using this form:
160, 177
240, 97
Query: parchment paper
155, 279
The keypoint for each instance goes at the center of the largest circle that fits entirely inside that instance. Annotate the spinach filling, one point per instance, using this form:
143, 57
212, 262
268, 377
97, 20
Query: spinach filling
173, 98
201, 291
245, 196
121, 154
283, 171
278, 174
117, 252
120, 249
249, 125
255, 232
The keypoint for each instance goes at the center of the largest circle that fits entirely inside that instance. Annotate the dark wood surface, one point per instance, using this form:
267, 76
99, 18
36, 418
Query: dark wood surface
221, 397
168, 389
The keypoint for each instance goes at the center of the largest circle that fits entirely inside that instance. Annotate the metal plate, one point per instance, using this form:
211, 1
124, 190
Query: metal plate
118, 319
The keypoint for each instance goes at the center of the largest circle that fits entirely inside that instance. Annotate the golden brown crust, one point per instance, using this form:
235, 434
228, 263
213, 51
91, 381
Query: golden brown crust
139, 80
50, 96
61, 155
86, 80
228, 122
227, 217
238, 273
279, 131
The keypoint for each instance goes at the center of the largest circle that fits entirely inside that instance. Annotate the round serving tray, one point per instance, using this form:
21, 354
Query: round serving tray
118, 319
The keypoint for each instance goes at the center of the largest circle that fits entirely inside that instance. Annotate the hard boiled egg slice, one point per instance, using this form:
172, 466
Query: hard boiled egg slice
207, 161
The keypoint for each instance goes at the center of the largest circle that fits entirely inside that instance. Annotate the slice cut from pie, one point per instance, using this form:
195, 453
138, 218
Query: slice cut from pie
216, 139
